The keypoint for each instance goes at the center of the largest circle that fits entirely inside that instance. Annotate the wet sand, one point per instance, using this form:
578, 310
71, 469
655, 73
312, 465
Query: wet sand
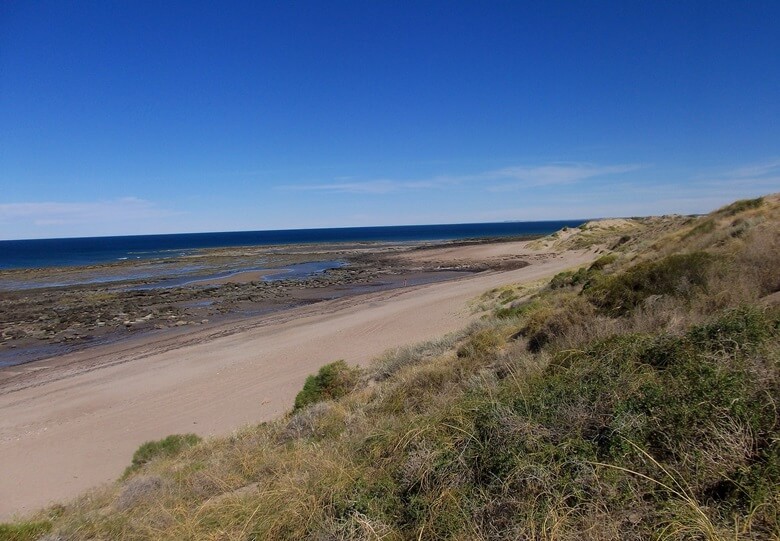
73, 421
46, 312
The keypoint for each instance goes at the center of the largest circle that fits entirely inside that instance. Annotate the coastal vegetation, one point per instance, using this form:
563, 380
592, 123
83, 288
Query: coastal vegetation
333, 381
166, 447
635, 398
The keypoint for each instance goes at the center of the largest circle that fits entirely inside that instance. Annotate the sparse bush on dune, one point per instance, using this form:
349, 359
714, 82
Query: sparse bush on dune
333, 381
582, 275
569, 278
679, 275
702, 228
621, 241
602, 262
391, 362
166, 447
542, 326
637, 403
515, 310
741, 206
24, 531
481, 344
138, 489
759, 260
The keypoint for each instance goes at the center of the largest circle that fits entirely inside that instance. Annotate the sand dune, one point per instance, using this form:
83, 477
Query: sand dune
77, 422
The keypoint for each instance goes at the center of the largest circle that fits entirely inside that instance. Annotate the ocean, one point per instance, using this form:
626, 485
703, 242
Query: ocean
42, 253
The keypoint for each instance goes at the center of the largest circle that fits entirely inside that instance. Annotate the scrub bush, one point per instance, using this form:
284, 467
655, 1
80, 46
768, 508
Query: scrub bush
333, 381
166, 447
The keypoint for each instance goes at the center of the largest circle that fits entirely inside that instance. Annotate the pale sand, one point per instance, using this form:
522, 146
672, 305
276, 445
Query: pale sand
474, 252
78, 425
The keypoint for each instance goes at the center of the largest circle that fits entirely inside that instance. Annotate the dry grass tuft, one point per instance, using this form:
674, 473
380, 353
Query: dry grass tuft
138, 490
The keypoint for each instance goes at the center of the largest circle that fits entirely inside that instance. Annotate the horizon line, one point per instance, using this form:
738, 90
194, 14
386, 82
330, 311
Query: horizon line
320, 228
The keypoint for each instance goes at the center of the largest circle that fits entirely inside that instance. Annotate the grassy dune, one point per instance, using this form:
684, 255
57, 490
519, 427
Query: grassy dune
637, 398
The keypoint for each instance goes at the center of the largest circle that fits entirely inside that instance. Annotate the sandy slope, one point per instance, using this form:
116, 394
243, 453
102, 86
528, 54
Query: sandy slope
78, 426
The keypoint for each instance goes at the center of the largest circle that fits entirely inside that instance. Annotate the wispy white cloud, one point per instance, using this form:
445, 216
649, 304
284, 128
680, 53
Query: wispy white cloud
545, 175
756, 170
53, 213
745, 181
504, 179
369, 186
98, 217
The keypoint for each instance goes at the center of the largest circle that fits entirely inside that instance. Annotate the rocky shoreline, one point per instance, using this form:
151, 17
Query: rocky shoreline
102, 303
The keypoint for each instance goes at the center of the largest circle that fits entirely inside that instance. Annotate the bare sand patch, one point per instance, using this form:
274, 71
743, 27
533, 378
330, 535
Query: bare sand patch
476, 252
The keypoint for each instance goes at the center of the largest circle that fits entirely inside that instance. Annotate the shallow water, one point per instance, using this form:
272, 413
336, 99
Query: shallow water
99, 277
289, 272
304, 270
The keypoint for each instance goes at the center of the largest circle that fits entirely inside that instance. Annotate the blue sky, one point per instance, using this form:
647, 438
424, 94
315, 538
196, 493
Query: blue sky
134, 117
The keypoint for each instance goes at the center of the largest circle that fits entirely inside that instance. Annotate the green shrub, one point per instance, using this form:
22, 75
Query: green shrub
742, 205
680, 275
166, 447
333, 381
710, 416
24, 531
544, 325
569, 278
602, 262
507, 296
621, 241
582, 275
516, 310
481, 345
562, 279
742, 329
707, 226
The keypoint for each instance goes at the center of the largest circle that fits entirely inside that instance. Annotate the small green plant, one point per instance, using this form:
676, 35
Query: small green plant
333, 381
582, 275
679, 275
24, 531
602, 262
742, 205
742, 329
554, 321
481, 345
515, 310
707, 226
166, 447
569, 278
562, 279
507, 295
621, 241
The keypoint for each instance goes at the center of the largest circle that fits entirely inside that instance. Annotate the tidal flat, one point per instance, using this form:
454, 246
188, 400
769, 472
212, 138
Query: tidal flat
50, 311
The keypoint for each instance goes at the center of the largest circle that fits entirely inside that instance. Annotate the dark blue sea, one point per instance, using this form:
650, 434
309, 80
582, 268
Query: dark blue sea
94, 250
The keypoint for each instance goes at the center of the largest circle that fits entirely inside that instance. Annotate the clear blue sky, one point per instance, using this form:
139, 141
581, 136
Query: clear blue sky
157, 117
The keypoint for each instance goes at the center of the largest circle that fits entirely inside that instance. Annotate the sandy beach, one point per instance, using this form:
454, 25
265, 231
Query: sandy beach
72, 422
